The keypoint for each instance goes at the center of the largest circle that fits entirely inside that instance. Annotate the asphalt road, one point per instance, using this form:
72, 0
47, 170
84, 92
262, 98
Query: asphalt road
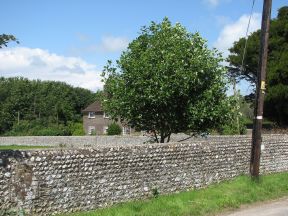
273, 208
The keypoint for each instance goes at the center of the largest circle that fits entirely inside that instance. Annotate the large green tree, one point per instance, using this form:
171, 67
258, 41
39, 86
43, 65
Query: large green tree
276, 99
167, 81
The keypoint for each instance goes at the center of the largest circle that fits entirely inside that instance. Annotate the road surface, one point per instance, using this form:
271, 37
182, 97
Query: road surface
272, 208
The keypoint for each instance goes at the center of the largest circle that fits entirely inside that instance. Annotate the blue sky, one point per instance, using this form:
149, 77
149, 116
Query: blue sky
72, 40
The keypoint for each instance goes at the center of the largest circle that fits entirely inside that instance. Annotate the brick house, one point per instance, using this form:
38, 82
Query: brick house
95, 120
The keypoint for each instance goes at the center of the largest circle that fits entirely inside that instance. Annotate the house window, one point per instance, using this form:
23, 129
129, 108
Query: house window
106, 115
105, 128
91, 115
91, 130
126, 130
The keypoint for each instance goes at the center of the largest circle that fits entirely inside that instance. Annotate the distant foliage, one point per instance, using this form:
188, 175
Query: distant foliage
247, 109
239, 115
38, 128
276, 98
40, 103
114, 129
234, 127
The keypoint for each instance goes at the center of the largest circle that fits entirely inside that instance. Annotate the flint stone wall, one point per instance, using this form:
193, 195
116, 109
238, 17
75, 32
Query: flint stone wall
85, 141
47, 182
71, 141
94, 141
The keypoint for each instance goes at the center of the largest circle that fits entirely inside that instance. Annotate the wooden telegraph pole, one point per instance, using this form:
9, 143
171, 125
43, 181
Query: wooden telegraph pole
260, 91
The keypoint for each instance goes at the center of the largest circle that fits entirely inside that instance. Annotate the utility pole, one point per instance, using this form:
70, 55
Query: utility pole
260, 91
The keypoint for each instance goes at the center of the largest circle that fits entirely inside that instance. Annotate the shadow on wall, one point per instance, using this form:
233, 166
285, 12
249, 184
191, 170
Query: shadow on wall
5, 154
16, 180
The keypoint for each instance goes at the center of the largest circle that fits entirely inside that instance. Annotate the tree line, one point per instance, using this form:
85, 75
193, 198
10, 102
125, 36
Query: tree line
26, 104
276, 98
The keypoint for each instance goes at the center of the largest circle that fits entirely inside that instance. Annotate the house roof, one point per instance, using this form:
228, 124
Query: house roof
94, 107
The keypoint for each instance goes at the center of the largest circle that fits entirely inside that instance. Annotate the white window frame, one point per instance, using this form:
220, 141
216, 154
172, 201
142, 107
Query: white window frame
125, 129
105, 128
91, 116
105, 115
90, 129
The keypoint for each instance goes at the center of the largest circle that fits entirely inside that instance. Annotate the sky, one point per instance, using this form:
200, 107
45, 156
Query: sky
71, 40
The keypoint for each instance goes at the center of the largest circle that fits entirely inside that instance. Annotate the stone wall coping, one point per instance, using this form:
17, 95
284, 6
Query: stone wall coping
112, 147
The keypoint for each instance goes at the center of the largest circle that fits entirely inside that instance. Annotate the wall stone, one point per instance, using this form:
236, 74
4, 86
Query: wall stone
94, 141
47, 182
72, 141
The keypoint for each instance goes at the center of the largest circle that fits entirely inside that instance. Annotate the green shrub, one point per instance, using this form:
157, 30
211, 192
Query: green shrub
76, 129
38, 128
233, 128
55, 130
114, 129
248, 122
78, 132
21, 127
155, 192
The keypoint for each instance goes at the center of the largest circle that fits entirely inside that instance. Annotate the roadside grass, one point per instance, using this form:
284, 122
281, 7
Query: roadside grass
209, 201
22, 147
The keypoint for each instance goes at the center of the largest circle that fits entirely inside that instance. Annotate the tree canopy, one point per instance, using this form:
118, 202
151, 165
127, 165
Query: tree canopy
276, 99
167, 81
42, 101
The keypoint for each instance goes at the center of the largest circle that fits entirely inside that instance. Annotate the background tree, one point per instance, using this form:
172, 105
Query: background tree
27, 105
167, 81
242, 114
5, 39
276, 99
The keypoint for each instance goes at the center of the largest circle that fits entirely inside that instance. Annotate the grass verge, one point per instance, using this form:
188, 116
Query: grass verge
21, 147
209, 201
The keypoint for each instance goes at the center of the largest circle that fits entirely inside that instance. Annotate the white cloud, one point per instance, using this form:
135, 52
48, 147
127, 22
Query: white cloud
233, 31
212, 3
43, 65
222, 20
113, 44
215, 3
83, 37
107, 44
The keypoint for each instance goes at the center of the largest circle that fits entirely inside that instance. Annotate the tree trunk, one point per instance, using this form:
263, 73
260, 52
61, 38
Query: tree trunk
168, 140
162, 137
155, 135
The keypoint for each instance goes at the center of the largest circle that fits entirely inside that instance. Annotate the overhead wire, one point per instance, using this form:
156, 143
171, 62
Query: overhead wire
246, 37
242, 64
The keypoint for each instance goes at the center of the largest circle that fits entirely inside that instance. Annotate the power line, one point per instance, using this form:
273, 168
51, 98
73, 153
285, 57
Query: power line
242, 65
246, 37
